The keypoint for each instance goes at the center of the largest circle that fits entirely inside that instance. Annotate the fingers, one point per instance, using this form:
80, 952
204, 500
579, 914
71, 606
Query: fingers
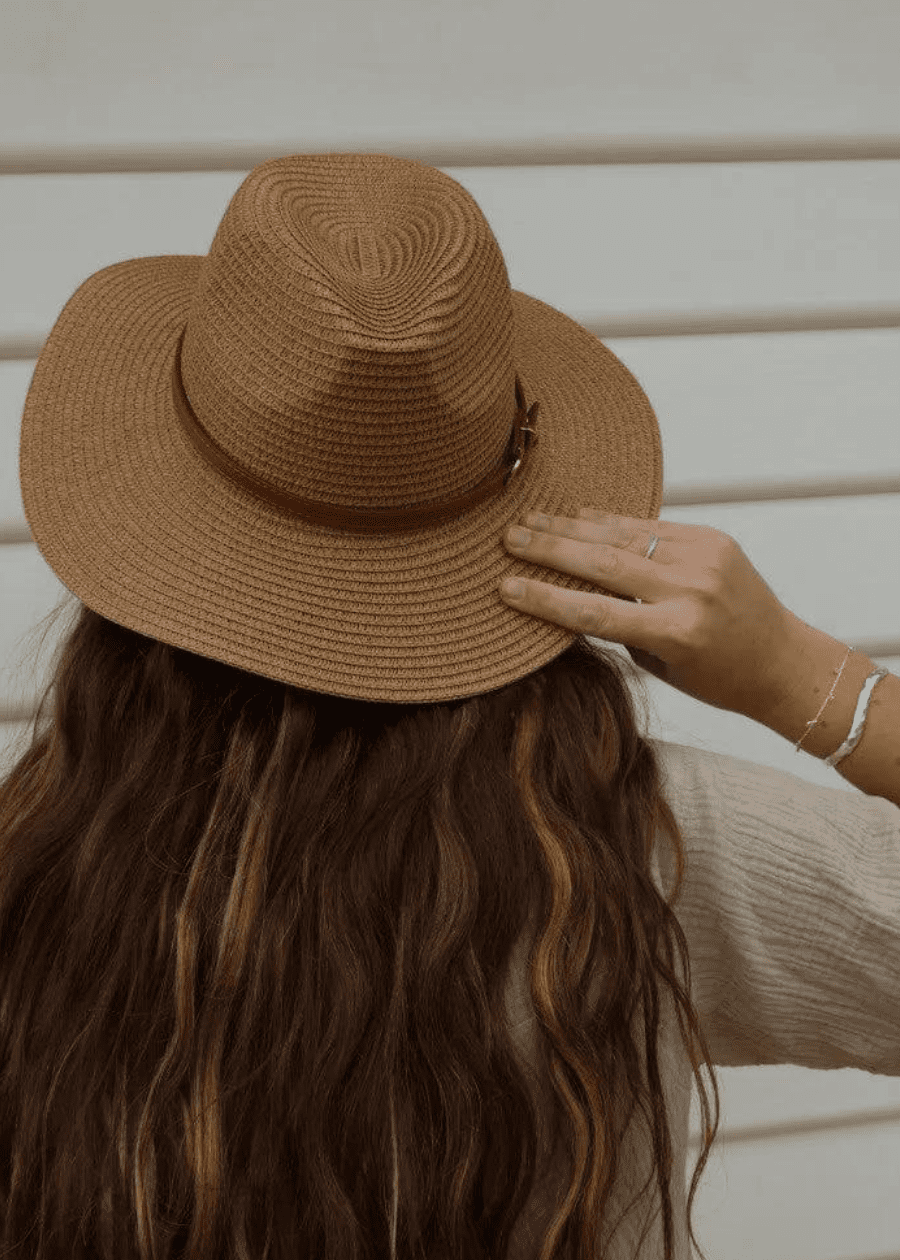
584, 612
578, 551
591, 526
599, 548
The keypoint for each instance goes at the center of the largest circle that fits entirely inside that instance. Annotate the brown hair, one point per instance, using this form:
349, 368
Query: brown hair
253, 948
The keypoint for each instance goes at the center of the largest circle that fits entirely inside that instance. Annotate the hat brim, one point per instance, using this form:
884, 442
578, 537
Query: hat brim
139, 528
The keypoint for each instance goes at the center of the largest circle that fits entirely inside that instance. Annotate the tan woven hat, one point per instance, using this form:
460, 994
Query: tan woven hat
299, 453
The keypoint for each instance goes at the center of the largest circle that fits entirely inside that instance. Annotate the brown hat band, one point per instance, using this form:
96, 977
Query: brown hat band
360, 520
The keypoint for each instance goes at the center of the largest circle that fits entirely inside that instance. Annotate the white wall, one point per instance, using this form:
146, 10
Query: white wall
713, 189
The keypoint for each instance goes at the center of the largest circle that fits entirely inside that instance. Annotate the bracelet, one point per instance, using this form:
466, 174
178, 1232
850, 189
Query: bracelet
859, 717
812, 723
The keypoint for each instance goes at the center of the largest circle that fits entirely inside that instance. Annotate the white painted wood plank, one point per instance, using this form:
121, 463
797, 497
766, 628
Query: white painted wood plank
771, 411
624, 249
349, 74
810, 1197
29, 589
767, 1098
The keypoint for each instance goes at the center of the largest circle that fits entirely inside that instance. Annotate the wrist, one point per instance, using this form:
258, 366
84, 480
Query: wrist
811, 672
810, 667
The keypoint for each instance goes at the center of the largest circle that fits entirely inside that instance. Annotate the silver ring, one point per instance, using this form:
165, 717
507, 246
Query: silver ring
650, 550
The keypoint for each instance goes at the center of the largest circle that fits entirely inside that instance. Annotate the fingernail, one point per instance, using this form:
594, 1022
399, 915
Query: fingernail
513, 588
517, 537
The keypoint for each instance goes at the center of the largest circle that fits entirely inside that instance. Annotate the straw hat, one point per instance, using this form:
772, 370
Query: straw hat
299, 453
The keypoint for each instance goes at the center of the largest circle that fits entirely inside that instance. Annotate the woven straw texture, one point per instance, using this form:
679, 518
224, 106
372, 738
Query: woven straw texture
351, 337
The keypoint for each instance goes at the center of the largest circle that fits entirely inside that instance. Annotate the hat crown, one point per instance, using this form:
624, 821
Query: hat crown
350, 339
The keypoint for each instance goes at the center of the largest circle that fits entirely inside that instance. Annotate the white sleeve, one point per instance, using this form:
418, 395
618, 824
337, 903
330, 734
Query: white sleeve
790, 905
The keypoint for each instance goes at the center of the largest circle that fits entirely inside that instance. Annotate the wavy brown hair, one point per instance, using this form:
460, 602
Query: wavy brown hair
253, 950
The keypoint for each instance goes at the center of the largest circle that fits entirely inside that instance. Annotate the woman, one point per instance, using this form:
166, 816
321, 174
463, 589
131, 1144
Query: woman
332, 911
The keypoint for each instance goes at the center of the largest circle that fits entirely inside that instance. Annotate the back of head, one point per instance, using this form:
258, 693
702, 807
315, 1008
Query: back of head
254, 954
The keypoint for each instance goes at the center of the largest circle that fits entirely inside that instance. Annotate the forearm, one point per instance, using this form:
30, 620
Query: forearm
874, 764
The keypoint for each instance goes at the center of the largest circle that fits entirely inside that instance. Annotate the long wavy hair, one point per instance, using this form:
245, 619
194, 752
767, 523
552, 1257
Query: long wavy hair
253, 950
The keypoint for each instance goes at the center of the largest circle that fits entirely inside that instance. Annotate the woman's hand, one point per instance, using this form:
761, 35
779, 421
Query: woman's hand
707, 623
